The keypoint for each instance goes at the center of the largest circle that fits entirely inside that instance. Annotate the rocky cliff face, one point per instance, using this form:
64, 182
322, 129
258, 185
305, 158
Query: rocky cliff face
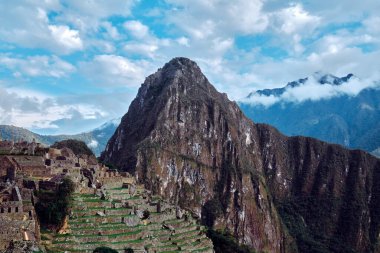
189, 143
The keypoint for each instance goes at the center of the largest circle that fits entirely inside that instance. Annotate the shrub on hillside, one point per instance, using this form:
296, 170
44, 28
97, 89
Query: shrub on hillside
53, 206
226, 243
78, 147
104, 250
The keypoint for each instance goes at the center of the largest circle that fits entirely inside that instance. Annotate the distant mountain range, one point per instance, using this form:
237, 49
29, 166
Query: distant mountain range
349, 120
96, 139
321, 79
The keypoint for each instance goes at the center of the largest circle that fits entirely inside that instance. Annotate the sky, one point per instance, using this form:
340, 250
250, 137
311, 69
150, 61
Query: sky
67, 66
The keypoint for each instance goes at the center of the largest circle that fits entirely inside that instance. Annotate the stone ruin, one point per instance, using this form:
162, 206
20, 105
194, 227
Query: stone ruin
109, 208
20, 147
129, 216
17, 216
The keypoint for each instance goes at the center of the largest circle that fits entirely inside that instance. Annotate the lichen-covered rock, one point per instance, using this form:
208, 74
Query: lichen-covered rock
131, 221
189, 143
22, 247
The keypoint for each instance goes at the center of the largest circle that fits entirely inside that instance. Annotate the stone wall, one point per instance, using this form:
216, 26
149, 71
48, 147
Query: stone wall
36, 171
113, 181
13, 209
8, 168
47, 185
17, 230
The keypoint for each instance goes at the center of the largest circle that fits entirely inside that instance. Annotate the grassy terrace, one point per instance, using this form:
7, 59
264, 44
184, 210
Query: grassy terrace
87, 230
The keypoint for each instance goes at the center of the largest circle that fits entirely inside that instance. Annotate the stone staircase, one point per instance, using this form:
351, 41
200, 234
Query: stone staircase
113, 222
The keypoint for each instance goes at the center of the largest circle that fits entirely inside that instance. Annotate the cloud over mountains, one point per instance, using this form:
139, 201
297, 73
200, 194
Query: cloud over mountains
313, 90
67, 48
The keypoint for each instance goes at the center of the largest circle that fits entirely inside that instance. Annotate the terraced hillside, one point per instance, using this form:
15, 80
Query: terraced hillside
119, 219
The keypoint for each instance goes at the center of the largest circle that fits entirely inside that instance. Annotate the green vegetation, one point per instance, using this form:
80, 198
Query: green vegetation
226, 243
78, 147
210, 211
146, 214
53, 206
89, 231
310, 221
104, 250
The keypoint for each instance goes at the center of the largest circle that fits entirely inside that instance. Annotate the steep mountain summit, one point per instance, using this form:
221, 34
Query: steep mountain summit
324, 78
158, 93
190, 144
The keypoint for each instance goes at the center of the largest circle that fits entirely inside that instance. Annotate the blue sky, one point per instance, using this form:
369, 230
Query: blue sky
67, 66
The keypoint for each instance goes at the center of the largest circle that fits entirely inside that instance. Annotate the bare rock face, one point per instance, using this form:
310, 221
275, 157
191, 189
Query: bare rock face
192, 145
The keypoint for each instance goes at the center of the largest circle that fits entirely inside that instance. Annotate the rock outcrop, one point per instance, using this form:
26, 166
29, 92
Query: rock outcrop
189, 143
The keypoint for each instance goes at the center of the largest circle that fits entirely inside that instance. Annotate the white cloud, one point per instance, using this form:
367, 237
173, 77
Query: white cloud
337, 11
87, 16
93, 144
295, 20
293, 23
312, 90
112, 31
35, 111
114, 70
101, 8
276, 73
334, 43
372, 24
217, 18
34, 66
103, 46
140, 49
231, 40
66, 37
28, 23
136, 28
265, 101
183, 41
28, 26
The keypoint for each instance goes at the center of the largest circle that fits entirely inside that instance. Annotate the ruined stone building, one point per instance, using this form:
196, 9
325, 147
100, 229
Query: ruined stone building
20, 147
22, 171
17, 216
8, 168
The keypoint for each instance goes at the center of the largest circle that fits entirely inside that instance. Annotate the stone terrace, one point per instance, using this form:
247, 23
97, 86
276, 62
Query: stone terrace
113, 221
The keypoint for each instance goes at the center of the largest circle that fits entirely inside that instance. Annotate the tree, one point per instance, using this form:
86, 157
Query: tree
78, 147
53, 206
146, 214
129, 250
104, 250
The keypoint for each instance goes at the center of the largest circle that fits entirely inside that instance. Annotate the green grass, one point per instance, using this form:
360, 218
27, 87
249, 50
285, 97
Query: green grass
84, 230
100, 208
115, 243
104, 235
202, 249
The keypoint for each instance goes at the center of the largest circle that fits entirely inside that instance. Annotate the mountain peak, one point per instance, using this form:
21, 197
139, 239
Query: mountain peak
327, 78
179, 71
320, 77
181, 66
181, 63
